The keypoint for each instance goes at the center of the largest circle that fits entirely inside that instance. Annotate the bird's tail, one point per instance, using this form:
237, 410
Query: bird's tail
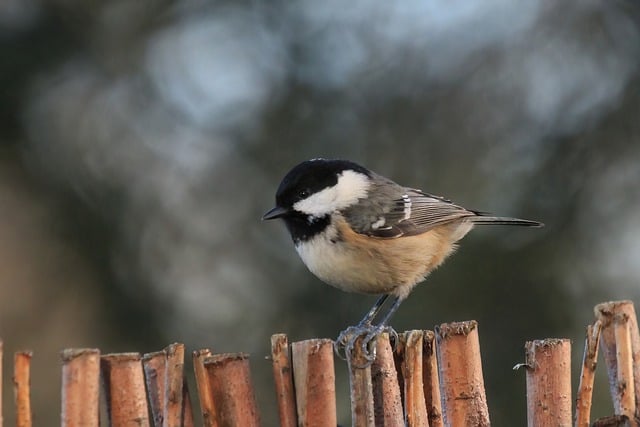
483, 218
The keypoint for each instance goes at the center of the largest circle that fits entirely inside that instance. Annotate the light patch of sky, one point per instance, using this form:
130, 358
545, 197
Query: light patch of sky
344, 40
218, 70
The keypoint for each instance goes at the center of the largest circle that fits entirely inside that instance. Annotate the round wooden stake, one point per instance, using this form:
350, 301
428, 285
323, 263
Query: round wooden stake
314, 379
431, 380
125, 389
22, 388
387, 401
80, 387
283, 378
232, 389
462, 383
548, 365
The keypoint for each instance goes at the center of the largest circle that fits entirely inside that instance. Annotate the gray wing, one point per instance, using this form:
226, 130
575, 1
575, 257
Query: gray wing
394, 211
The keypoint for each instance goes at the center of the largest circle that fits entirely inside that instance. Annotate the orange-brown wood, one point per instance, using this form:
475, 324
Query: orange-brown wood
207, 405
232, 389
387, 401
460, 370
174, 386
22, 388
361, 392
283, 379
314, 380
587, 375
624, 358
606, 312
154, 365
431, 380
80, 387
124, 384
414, 401
548, 364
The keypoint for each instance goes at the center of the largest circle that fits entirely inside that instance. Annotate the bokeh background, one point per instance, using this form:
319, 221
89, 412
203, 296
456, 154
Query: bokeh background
141, 141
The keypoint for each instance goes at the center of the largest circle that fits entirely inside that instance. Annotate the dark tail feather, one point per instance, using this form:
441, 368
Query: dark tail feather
499, 220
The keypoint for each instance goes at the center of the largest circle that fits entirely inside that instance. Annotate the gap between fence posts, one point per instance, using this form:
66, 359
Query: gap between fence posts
464, 401
80, 387
548, 379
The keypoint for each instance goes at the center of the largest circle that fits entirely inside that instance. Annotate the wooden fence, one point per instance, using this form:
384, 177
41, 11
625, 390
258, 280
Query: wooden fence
427, 378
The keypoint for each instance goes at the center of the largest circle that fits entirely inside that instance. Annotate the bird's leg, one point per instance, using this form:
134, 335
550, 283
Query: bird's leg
366, 320
346, 341
382, 327
363, 327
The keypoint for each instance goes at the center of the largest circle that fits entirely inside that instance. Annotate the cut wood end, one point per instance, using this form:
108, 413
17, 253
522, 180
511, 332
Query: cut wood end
278, 342
217, 359
68, 354
535, 346
203, 352
547, 342
413, 337
446, 330
174, 349
605, 310
121, 357
314, 345
149, 356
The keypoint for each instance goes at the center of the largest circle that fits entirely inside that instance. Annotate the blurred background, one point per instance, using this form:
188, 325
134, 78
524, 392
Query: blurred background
142, 140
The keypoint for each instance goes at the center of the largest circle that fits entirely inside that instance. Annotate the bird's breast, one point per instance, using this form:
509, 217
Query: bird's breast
354, 262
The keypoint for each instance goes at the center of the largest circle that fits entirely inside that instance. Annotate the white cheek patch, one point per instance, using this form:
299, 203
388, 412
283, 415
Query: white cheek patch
351, 187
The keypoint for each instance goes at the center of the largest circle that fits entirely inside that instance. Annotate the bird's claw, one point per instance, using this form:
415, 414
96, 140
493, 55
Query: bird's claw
365, 335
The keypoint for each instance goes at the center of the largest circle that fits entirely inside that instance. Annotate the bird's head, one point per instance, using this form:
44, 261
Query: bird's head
314, 189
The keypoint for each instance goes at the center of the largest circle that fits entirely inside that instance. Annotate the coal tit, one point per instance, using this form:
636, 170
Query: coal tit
361, 232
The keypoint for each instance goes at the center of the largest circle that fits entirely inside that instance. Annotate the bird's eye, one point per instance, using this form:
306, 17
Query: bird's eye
303, 194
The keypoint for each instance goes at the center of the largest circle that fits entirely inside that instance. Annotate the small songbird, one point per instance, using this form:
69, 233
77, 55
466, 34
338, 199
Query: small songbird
361, 232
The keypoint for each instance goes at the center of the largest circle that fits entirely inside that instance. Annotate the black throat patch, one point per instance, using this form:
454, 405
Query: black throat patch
302, 228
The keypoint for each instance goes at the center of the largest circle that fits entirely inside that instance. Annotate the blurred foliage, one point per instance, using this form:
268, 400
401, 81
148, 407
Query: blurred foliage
141, 141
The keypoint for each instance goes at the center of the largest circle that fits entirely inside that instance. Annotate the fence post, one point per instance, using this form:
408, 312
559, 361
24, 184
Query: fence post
80, 387
387, 403
548, 364
461, 381
314, 379
232, 389
431, 380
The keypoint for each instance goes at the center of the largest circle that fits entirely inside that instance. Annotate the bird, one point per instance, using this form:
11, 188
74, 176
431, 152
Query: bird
361, 232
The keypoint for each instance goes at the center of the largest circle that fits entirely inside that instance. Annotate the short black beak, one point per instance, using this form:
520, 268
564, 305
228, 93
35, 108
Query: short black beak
277, 212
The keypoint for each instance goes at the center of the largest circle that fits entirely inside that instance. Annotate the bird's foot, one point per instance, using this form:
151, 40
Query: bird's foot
365, 336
